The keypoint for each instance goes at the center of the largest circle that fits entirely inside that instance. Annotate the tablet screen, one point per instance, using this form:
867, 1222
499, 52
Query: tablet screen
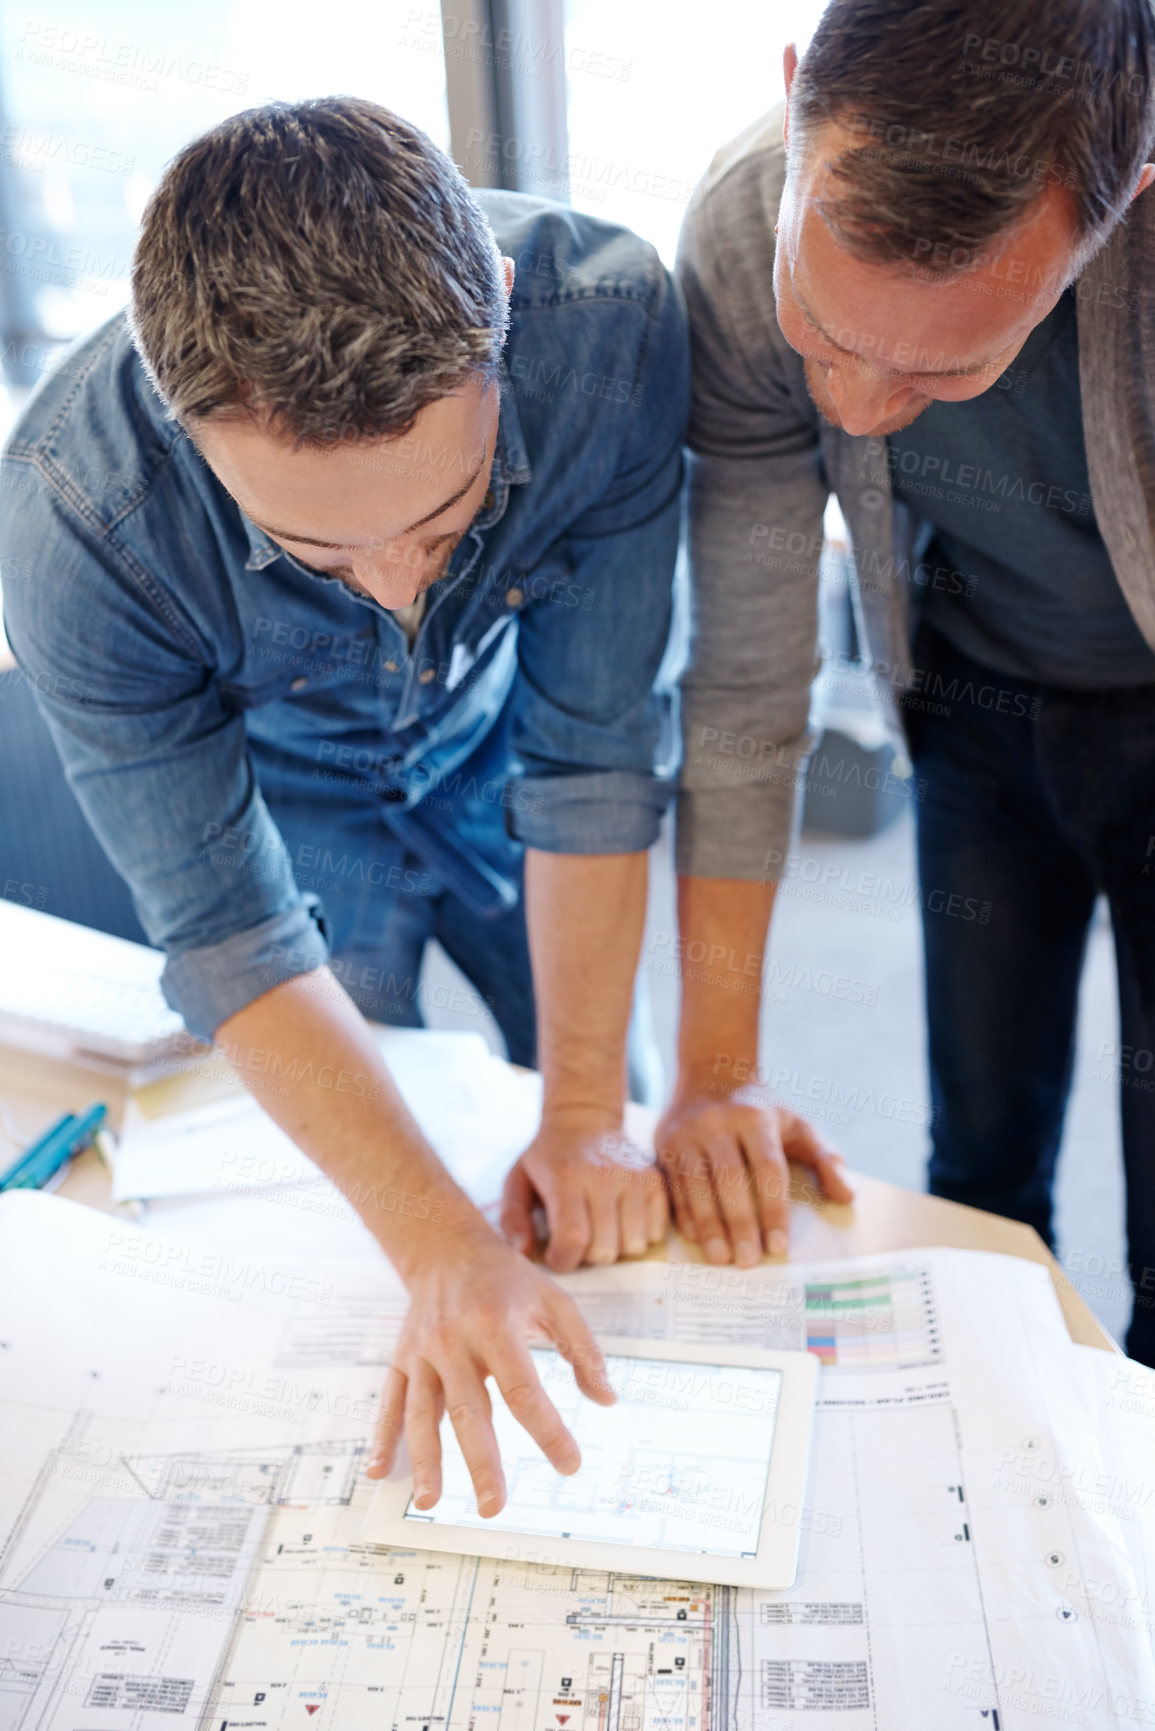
680, 1462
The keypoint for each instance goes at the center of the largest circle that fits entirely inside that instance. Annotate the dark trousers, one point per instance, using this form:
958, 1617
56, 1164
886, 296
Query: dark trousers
1033, 800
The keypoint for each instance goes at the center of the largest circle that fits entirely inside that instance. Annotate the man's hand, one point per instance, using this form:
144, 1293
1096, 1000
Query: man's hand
725, 1157
603, 1196
472, 1309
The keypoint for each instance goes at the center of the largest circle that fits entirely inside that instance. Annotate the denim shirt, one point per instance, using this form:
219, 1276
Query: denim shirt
175, 647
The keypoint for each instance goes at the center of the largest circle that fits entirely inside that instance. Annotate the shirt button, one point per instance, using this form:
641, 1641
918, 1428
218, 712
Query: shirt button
488, 502
426, 674
299, 683
391, 667
514, 597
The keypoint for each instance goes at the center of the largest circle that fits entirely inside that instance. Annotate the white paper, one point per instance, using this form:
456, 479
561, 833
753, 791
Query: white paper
478, 1112
181, 1508
70, 992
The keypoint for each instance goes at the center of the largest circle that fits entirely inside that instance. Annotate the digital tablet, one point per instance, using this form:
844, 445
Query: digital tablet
696, 1473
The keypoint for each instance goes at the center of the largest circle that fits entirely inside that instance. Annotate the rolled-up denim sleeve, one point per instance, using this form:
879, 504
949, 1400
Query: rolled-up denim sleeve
590, 730
210, 984
158, 760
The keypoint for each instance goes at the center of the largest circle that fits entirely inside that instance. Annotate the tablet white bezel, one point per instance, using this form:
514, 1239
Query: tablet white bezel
776, 1560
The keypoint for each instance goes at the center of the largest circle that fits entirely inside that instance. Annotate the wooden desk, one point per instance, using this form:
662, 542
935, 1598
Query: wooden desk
882, 1217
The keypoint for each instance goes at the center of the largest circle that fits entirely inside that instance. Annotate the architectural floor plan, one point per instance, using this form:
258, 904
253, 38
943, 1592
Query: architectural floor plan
182, 1506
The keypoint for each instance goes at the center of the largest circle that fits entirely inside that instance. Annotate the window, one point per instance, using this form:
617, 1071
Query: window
653, 94
98, 98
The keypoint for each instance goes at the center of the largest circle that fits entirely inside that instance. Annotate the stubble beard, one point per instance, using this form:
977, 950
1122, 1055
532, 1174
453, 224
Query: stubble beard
431, 576
824, 403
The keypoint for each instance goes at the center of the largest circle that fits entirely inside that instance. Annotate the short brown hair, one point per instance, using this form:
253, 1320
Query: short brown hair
963, 113
320, 267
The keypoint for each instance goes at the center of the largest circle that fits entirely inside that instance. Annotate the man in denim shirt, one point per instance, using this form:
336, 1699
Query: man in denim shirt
352, 551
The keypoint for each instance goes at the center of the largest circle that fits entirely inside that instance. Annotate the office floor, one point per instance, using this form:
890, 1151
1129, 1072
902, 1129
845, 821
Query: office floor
842, 1035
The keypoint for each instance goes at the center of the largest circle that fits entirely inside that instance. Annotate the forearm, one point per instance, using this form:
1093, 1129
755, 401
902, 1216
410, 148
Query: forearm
344, 1111
723, 925
725, 1151
585, 915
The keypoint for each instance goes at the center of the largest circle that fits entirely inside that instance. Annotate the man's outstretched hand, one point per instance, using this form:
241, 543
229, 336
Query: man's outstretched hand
724, 1157
472, 1311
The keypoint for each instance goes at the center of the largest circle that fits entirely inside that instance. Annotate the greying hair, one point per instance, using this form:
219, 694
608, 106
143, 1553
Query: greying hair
320, 268
964, 113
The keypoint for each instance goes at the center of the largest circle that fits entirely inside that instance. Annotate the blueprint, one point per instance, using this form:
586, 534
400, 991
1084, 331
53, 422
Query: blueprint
694, 1485
183, 1512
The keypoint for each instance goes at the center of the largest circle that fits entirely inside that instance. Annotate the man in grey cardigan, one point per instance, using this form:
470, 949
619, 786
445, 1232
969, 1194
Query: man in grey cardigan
923, 286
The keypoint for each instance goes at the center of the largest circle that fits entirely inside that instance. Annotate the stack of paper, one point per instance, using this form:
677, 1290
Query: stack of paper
201, 1135
70, 992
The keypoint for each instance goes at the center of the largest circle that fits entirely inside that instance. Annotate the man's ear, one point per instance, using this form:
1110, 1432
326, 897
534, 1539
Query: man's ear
1145, 179
789, 67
